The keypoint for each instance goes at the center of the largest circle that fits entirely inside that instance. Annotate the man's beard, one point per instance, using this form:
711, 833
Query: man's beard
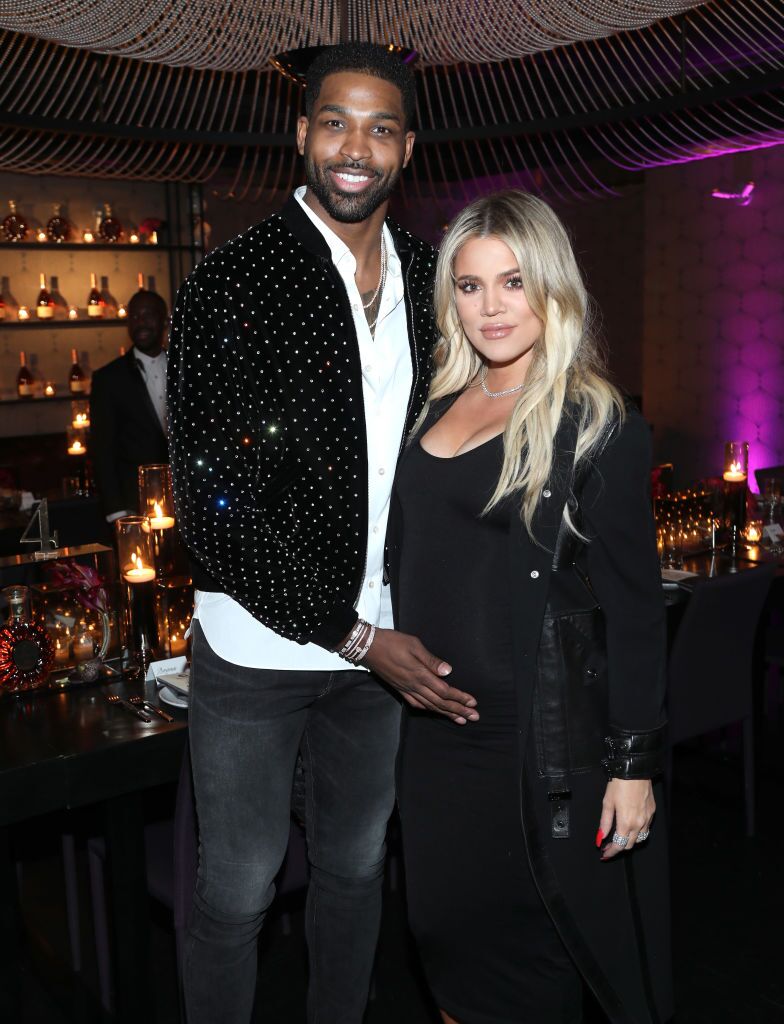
348, 208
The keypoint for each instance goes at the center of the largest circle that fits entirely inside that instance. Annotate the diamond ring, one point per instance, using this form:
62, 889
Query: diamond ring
620, 840
642, 836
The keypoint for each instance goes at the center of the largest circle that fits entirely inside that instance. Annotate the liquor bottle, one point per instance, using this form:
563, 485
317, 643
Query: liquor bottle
110, 305
109, 228
60, 305
95, 302
24, 379
57, 228
26, 650
14, 225
77, 380
44, 304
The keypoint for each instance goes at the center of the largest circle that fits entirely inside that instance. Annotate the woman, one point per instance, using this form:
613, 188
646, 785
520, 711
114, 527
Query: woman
522, 551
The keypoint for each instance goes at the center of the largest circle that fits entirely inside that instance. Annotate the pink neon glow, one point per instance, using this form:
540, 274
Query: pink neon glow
743, 198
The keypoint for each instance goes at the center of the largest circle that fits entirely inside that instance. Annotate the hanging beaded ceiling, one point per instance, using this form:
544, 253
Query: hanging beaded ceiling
243, 36
565, 121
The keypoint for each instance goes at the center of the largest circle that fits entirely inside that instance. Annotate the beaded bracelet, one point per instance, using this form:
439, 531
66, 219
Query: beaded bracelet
359, 626
358, 643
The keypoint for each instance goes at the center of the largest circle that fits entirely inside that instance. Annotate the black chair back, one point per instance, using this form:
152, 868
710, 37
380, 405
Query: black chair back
768, 473
710, 667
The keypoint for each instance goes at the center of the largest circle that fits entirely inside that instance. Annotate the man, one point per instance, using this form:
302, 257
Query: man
299, 360
128, 409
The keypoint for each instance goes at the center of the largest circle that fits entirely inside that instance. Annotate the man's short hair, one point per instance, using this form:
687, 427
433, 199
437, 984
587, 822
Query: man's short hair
366, 59
150, 297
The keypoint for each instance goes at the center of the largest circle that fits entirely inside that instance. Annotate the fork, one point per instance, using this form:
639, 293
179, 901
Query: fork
114, 699
140, 702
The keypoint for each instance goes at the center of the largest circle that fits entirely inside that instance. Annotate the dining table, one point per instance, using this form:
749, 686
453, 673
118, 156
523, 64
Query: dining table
61, 750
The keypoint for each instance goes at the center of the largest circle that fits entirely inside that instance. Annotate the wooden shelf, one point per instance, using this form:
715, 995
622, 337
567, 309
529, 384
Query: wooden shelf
49, 325
54, 400
95, 247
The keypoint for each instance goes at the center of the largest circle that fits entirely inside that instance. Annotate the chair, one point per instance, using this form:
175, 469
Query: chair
768, 473
171, 848
710, 665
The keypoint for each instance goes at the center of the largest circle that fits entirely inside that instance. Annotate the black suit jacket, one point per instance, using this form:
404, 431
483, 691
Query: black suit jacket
125, 432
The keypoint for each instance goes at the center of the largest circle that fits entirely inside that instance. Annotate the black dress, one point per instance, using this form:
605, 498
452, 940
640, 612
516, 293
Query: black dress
489, 948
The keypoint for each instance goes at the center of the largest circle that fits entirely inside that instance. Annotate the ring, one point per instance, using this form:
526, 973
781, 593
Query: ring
642, 836
620, 840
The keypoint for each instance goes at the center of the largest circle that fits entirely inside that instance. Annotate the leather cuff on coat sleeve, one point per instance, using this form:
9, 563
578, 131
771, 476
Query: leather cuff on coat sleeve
635, 755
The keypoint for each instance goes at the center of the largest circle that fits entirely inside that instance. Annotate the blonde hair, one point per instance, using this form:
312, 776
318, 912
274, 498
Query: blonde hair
566, 366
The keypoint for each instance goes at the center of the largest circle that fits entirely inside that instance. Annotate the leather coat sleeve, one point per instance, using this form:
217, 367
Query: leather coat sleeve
623, 569
226, 472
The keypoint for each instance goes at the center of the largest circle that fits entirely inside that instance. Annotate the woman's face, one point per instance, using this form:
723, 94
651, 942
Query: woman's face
492, 306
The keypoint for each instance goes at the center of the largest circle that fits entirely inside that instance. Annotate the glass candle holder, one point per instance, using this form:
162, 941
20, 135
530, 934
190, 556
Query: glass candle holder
134, 549
157, 504
80, 419
736, 475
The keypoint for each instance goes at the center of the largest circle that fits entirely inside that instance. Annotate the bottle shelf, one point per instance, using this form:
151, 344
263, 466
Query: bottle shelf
28, 403
95, 247
49, 325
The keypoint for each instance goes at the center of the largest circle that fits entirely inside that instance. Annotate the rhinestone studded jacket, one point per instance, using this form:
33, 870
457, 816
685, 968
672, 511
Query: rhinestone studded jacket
267, 422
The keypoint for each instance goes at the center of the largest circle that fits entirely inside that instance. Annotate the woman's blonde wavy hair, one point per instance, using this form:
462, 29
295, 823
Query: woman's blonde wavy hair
567, 366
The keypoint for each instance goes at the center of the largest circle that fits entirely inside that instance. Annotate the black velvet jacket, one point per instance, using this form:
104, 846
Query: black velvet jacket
267, 424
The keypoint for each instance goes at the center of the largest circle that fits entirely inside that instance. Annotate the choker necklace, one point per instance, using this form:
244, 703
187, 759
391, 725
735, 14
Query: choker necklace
498, 394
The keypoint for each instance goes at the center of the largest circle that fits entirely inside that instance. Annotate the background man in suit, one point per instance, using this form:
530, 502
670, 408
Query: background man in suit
128, 408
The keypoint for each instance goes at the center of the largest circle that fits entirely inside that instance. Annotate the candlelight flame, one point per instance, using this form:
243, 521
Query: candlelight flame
735, 467
158, 511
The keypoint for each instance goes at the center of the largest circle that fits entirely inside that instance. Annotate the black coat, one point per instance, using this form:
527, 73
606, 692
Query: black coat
267, 422
125, 432
589, 661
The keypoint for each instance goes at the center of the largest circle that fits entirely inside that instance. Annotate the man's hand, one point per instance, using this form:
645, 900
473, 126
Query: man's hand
404, 662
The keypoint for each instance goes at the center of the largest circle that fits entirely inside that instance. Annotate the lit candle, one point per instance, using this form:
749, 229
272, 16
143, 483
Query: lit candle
60, 652
83, 647
122, 312
159, 521
41, 235
23, 313
81, 421
177, 645
73, 313
734, 474
88, 236
133, 238
153, 238
139, 572
77, 448
754, 532
50, 390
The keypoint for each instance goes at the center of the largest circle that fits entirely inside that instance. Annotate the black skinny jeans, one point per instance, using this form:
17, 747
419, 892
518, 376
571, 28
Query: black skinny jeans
246, 726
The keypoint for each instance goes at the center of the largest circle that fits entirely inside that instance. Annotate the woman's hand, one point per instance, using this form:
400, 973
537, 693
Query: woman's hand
627, 809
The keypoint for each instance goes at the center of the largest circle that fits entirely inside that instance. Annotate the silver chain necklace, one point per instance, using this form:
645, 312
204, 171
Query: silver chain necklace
381, 276
498, 394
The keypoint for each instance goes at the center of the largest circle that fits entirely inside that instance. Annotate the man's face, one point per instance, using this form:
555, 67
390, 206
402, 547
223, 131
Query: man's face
146, 324
355, 144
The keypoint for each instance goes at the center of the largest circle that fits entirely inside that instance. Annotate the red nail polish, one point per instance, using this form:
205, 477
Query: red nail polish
599, 837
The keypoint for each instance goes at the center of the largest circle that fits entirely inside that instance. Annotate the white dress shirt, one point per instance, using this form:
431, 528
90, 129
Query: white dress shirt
232, 632
154, 372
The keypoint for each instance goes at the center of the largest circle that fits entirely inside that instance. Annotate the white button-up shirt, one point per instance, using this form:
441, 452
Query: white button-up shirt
231, 631
154, 372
